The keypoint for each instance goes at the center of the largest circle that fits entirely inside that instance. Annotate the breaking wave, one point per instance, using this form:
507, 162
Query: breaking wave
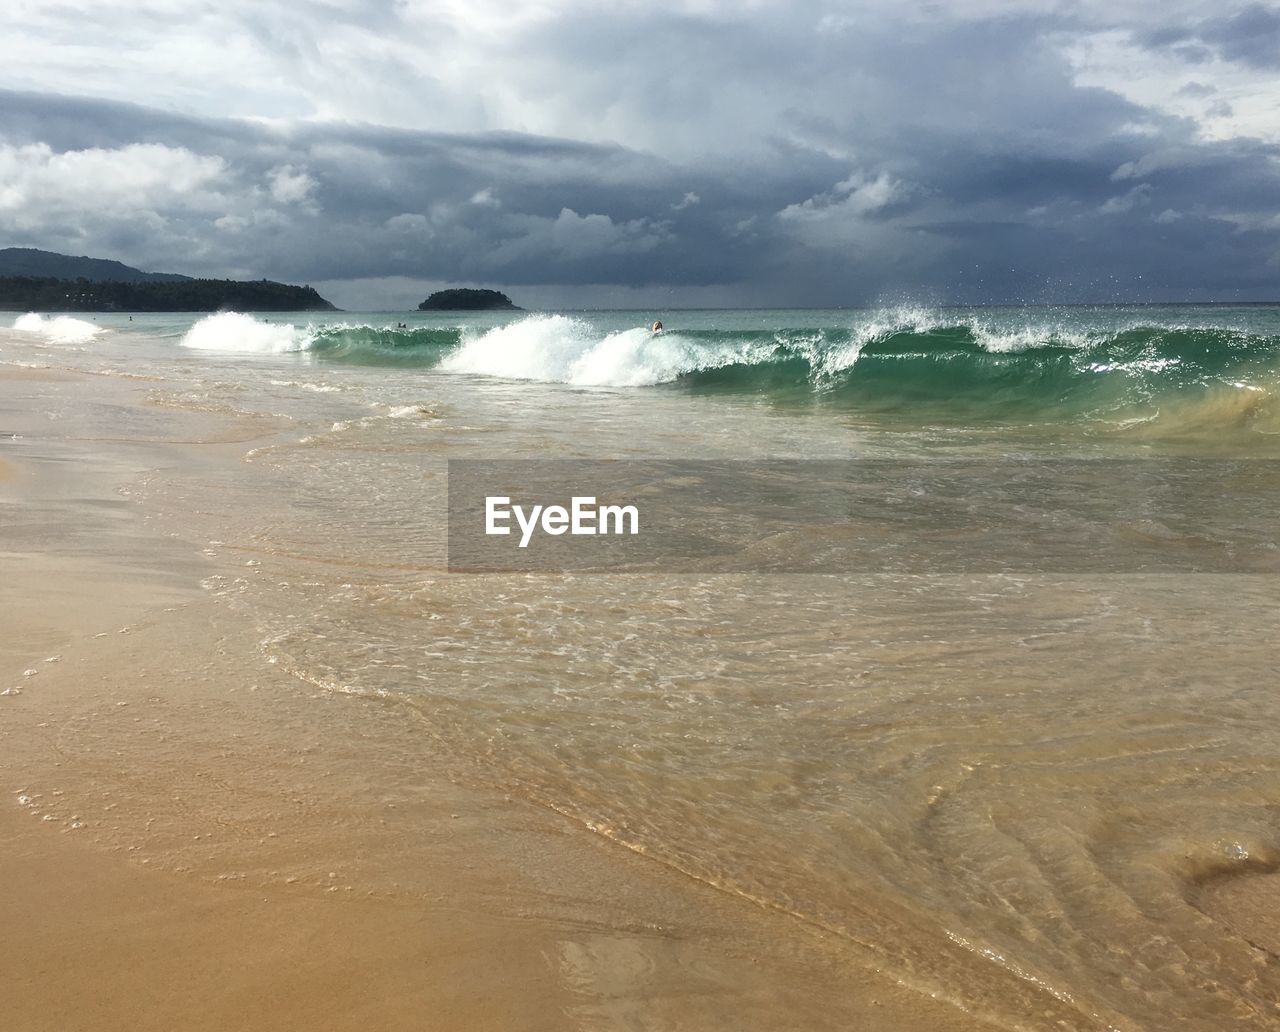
61, 329
234, 333
909, 363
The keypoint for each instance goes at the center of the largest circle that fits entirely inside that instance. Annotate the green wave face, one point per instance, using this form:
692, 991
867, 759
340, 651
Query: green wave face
1167, 378
950, 369
367, 345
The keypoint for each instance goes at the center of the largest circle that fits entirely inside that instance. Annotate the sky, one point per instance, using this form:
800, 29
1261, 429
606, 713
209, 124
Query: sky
670, 153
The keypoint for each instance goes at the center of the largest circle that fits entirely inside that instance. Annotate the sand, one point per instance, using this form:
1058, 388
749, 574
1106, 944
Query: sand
193, 839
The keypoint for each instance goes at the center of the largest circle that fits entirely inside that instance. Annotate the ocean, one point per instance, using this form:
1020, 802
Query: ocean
1029, 778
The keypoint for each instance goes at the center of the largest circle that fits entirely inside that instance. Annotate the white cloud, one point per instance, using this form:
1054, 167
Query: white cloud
37, 182
290, 185
1241, 102
853, 218
854, 197
409, 223
674, 77
573, 237
668, 76
1121, 203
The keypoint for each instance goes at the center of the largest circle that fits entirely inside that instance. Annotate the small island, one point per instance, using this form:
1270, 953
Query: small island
465, 299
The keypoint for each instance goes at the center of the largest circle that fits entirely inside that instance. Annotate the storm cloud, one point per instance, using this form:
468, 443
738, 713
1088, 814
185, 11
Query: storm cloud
697, 152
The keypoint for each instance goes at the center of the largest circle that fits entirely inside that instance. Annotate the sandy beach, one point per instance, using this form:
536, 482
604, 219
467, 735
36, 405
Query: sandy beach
267, 762
657, 517
197, 840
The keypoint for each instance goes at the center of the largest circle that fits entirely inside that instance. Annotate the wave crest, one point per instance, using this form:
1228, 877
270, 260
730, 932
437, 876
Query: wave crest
560, 349
61, 329
235, 333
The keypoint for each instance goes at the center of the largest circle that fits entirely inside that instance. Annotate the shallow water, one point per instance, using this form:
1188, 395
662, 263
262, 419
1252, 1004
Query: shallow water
1010, 787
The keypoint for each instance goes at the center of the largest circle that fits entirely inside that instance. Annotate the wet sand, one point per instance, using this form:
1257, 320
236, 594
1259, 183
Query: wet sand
1249, 906
194, 839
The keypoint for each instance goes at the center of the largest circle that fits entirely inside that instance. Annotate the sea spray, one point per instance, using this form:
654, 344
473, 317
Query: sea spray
236, 333
559, 349
60, 329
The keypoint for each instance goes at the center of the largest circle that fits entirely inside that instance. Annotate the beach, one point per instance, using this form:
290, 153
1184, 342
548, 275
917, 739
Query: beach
191, 843
268, 761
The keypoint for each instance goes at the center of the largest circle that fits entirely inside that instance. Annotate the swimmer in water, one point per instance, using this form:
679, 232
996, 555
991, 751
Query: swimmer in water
657, 326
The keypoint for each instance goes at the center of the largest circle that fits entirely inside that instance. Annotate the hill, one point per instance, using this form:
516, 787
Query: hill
467, 300
29, 261
50, 294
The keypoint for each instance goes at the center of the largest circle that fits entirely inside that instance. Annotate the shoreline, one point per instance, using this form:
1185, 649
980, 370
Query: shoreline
237, 668
198, 840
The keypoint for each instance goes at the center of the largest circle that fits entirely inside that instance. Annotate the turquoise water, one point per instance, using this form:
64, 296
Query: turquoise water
1162, 371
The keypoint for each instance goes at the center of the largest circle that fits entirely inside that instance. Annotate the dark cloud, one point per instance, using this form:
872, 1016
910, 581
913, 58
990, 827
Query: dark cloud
785, 155
1251, 36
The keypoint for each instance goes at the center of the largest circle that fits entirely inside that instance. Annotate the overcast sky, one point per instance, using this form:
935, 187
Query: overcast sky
657, 153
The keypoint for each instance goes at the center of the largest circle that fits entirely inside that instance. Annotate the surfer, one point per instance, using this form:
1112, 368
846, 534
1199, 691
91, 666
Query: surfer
656, 327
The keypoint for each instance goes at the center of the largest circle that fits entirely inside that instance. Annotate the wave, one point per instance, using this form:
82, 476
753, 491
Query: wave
61, 329
378, 346
234, 333
906, 363
559, 349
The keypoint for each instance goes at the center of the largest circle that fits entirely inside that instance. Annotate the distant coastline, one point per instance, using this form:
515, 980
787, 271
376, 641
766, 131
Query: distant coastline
49, 294
35, 280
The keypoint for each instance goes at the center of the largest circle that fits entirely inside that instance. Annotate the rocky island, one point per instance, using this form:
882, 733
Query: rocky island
465, 299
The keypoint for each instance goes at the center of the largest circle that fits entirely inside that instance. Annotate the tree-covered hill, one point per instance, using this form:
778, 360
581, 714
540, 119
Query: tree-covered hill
30, 261
50, 294
466, 299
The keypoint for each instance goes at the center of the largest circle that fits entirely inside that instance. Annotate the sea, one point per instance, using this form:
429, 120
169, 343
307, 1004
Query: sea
1013, 738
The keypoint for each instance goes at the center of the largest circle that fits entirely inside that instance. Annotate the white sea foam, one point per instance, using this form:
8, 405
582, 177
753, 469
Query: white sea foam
61, 329
882, 324
236, 333
559, 349
410, 412
1024, 338
315, 388
885, 322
